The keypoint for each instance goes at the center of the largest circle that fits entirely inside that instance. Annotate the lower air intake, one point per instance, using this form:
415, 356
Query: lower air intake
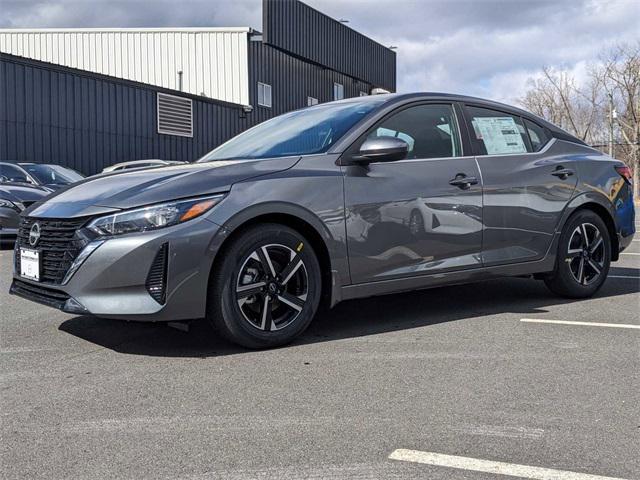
157, 278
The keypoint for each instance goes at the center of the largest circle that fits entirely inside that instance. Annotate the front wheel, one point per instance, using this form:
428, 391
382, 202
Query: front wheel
416, 223
266, 289
584, 257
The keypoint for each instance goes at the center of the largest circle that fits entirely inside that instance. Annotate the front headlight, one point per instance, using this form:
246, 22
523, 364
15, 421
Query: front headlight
10, 204
153, 217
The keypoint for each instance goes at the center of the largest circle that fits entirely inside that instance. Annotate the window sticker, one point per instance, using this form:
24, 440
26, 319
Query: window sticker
499, 134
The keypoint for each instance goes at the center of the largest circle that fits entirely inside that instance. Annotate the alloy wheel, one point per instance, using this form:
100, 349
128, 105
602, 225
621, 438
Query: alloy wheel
416, 223
272, 287
586, 254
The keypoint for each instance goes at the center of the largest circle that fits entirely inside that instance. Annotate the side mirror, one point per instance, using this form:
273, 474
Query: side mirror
381, 149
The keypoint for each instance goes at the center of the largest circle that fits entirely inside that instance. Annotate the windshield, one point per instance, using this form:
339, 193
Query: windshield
53, 174
302, 132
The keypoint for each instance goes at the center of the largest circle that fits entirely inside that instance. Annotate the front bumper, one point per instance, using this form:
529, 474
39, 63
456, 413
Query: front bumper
112, 280
8, 233
9, 220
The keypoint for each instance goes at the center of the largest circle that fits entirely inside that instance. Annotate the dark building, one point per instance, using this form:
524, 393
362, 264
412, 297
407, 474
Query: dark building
90, 98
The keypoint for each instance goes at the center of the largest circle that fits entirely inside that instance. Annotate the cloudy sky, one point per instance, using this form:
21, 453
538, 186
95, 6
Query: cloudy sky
488, 48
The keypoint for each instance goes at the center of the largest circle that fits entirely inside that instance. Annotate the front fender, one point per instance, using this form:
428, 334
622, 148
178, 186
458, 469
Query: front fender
311, 198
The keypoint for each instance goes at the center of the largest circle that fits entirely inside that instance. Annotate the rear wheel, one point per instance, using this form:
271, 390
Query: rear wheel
584, 257
266, 289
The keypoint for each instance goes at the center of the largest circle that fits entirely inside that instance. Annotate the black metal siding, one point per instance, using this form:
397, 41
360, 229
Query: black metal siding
292, 26
87, 121
292, 80
54, 114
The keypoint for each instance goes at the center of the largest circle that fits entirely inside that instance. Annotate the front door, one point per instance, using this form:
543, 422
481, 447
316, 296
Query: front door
528, 181
415, 216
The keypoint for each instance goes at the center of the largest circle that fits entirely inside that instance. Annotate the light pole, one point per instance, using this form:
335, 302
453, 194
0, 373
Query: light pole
612, 116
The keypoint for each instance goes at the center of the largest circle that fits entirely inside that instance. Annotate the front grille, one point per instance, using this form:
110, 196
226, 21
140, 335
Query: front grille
40, 294
157, 277
59, 245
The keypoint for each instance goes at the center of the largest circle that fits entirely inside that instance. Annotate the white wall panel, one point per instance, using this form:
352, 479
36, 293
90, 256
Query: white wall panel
213, 61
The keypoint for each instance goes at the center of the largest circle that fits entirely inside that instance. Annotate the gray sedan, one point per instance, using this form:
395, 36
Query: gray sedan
14, 198
338, 201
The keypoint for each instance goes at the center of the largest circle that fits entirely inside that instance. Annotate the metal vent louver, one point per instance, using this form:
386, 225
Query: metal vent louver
175, 115
157, 277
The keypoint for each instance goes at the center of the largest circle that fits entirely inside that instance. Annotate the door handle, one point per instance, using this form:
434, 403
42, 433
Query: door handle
562, 172
462, 181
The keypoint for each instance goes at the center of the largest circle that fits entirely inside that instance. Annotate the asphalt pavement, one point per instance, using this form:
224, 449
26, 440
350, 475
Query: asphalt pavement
446, 382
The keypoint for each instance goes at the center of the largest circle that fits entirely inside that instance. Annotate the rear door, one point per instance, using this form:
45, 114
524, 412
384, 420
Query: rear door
420, 215
526, 185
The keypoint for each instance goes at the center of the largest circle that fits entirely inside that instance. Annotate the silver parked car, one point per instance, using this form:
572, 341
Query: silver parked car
149, 163
342, 200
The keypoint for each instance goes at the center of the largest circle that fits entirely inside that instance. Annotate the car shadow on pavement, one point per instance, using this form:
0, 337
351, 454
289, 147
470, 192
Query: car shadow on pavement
355, 318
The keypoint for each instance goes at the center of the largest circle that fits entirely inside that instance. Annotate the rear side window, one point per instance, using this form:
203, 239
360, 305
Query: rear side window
430, 131
497, 133
537, 134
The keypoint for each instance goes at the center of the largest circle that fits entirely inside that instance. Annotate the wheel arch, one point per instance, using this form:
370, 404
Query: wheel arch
600, 205
300, 220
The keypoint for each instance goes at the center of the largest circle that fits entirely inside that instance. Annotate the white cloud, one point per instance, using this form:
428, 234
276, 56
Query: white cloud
486, 48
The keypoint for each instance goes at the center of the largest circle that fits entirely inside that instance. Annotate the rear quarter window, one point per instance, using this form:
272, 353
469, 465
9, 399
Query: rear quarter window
538, 135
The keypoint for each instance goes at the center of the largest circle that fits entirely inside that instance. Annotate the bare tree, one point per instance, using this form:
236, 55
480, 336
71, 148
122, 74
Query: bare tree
556, 97
621, 79
585, 110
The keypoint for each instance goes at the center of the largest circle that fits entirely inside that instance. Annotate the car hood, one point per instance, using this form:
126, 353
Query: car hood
22, 193
129, 189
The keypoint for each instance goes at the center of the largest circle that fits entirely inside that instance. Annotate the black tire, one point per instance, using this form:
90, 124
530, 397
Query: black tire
569, 279
237, 309
416, 223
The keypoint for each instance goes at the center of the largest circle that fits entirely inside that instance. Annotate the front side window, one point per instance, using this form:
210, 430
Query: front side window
537, 134
338, 91
264, 94
302, 132
497, 133
431, 131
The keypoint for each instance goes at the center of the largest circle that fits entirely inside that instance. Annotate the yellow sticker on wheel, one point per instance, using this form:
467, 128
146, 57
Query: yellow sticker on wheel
299, 249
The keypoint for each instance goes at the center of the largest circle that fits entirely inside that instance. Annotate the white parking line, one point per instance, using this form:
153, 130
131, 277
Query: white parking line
629, 253
588, 324
488, 466
622, 276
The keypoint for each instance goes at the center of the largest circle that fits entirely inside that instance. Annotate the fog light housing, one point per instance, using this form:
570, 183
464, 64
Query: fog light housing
156, 283
74, 306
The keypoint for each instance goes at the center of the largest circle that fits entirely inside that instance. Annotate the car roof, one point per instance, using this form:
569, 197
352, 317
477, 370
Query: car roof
135, 162
44, 164
453, 97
